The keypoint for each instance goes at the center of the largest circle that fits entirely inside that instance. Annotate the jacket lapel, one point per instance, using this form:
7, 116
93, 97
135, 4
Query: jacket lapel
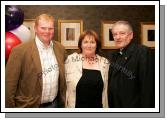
57, 55
102, 66
78, 68
37, 62
79, 63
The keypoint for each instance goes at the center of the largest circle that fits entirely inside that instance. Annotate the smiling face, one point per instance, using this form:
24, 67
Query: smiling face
89, 45
45, 30
122, 35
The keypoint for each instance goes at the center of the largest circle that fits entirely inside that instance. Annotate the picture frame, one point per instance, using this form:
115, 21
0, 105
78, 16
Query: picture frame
106, 34
69, 32
29, 23
148, 34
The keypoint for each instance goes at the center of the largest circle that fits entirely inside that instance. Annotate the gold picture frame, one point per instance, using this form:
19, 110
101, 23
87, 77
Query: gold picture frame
148, 34
106, 33
69, 32
29, 23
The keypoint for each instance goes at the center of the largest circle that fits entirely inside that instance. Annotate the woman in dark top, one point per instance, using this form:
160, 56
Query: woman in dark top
87, 75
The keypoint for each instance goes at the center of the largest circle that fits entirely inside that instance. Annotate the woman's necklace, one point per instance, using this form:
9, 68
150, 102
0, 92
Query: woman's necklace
91, 60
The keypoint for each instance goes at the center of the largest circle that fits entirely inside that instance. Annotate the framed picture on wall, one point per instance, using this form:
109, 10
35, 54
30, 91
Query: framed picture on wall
29, 23
106, 33
148, 34
69, 32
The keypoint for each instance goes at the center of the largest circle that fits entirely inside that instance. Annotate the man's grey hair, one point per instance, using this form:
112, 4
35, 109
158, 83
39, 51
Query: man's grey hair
123, 22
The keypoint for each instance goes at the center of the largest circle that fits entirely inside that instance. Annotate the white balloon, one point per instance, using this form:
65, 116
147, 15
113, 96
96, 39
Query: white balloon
22, 32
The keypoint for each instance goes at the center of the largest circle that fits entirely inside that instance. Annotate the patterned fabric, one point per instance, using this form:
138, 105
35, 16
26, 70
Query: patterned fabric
50, 71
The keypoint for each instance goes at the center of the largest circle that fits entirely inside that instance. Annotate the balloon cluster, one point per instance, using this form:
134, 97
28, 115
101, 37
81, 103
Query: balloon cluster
15, 31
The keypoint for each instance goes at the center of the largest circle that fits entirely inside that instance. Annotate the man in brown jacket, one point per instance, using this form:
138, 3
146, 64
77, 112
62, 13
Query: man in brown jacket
34, 75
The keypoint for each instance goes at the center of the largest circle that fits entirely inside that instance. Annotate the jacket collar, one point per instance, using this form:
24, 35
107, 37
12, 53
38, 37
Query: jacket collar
37, 62
127, 51
125, 54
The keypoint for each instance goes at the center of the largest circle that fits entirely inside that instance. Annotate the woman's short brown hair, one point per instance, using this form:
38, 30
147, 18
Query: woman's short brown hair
90, 33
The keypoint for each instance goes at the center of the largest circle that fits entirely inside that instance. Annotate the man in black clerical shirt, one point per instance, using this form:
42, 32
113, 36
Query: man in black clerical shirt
132, 71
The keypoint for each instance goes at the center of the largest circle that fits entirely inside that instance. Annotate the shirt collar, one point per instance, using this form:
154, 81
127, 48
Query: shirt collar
127, 50
41, 44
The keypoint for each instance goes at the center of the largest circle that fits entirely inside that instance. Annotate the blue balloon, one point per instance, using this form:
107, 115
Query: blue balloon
14, 17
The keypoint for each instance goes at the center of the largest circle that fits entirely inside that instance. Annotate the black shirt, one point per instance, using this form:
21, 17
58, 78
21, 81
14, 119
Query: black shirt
89, 90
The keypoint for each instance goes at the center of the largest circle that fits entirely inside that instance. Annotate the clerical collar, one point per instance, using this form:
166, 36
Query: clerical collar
120, 51
127, 50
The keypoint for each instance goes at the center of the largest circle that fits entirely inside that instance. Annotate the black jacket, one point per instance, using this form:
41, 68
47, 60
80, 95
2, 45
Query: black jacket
132, 78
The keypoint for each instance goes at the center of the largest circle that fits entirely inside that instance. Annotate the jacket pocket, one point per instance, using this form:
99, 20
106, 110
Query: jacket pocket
27, 101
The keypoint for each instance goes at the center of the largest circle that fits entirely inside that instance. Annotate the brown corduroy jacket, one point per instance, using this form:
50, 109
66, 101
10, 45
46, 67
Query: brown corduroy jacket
23, 76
